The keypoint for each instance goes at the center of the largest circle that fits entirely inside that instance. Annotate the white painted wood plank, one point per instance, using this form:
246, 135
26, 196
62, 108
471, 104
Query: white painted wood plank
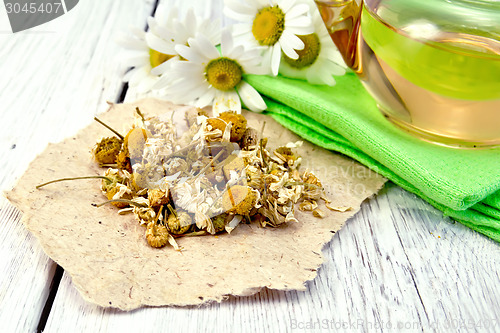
26, 271
48, 91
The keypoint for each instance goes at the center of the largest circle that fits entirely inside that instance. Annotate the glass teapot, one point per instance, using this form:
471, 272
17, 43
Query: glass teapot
433, 66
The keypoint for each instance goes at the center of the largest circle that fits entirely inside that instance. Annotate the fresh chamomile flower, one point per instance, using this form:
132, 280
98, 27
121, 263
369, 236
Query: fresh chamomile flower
272, 26
320, 58
162, 27
209, 77
165, 35
141, 58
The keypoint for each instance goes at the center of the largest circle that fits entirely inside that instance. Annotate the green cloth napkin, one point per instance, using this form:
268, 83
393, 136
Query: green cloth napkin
464, 184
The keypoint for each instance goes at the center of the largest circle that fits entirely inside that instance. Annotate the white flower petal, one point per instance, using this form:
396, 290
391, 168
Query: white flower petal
328, 63
188, 67
138, 75
165, 13
203, 46
333, 68
289, 43
159, 44
327, 77
162, 68
161, 83
184, 86
292, 40
226, 101
152, 24
206, 98
146, 84
194, 93
289, 51
226, 42
241, 29
314, 77
129, 74
212, 30
301, 9
189, 53
237, 53
237, 16
262, 3
167, 34
275, 59
131, 43
190, 22
286, 5
239, 7
139, 33
302, 22
250, 97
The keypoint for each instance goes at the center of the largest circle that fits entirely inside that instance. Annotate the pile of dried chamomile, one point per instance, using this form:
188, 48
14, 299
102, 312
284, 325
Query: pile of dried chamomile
206, 181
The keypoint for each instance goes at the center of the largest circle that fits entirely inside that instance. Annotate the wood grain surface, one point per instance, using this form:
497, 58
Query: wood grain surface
397, 265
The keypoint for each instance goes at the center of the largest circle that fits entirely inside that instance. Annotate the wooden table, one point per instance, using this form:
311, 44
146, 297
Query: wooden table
398, 264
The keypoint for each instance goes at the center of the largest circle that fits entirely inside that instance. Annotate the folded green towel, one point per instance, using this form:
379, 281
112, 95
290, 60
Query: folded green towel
464, 184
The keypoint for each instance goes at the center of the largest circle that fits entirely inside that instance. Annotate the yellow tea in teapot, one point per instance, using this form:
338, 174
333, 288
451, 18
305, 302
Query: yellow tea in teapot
436, 80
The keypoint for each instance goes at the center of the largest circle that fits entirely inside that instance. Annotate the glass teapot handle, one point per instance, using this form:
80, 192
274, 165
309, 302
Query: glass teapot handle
341, 18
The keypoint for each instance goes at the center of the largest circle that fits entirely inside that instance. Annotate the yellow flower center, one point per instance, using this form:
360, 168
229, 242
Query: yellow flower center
268, 25
157, 58
223, 73
309, 54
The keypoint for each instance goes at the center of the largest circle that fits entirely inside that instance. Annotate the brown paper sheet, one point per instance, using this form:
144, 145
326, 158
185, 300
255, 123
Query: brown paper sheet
111, 263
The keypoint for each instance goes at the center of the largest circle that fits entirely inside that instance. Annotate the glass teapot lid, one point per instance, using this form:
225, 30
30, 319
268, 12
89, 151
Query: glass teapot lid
475, 17
477, 20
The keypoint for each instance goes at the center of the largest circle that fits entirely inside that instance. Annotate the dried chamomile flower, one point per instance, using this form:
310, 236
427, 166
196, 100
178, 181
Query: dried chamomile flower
313, 188
310, 178
115, 176
270, 211
215, 124
290, 217
157, 234
255, 177
134, 142
220, 221
107, 150
132, 148
233, 164
308, 205
179, 223
286, 155
213, 184
147, 175
119, 191
175, 165
123, 161
337, 208
239, 200
192, 115
142, 211
116, 189
239, 124
213, 130
157, 197
203, 221
249, 139
318, 213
